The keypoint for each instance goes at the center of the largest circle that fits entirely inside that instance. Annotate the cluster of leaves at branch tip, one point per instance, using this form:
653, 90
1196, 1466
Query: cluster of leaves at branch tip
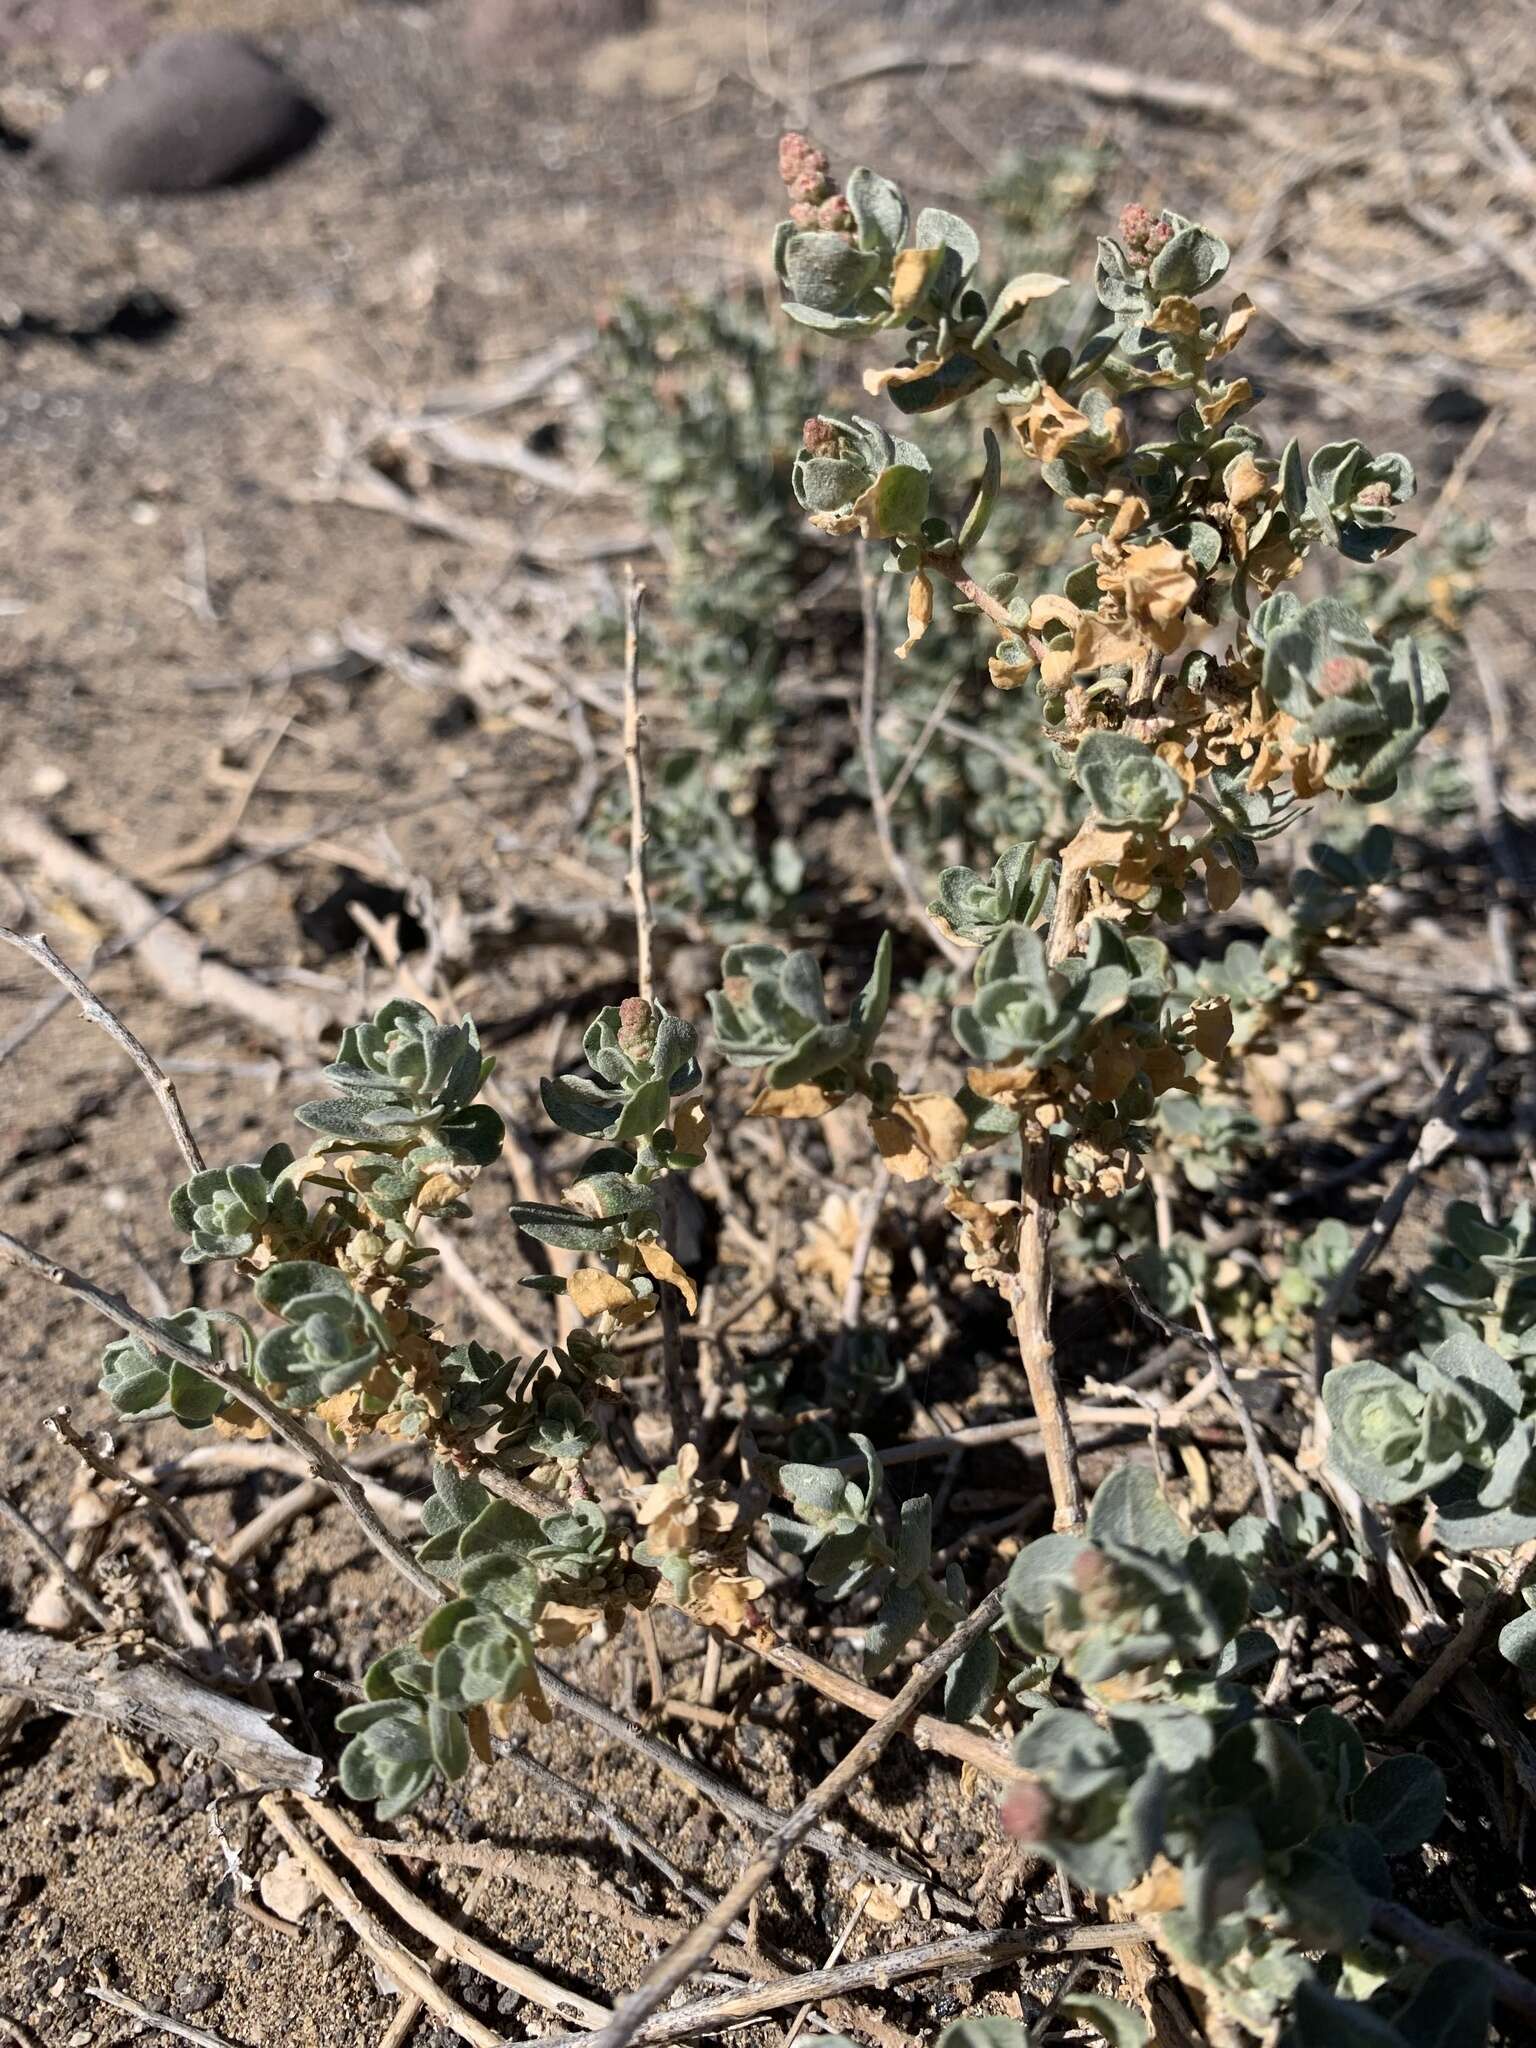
403, 1142
1188, 531
1257, 1846
837, 1528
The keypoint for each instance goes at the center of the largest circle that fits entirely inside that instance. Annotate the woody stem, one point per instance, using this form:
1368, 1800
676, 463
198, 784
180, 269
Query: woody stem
953, 573
1029, 1289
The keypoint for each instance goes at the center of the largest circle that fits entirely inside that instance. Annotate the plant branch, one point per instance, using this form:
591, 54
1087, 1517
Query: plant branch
316, 1458
735, 1804
1264, 1479
96, 1012
1395, 1923
869, 754
958, 1956
412, 1976
687, 1955
1463, 1646
1436, 1138
89, 1603
953, 572
634, 768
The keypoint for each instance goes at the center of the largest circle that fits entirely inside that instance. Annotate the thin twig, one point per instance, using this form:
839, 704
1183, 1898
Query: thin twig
1264, 1479
1463, 1646
735, 1804
1433, 1945
687, 1955
202, 2037
1028, 1288
408, 1971
319, 1461
851, 1311
634, 768
88, 1602
173, 956
880, 809
630, 1841
1436, 1138
968, 1746
96, 1011
959, 1956
410, 2008
645, 977
453, 1941
108, 1469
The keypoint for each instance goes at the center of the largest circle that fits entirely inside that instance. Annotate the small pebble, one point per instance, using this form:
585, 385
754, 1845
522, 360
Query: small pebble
196, 1994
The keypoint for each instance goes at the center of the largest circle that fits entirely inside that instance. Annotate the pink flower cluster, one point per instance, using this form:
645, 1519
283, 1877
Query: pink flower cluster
820, 437
1143, 234
815, 201
637, 1028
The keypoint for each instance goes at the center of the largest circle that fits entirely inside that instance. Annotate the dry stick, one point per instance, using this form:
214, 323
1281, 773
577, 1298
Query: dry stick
57, 1564
410, 2008
172, 906
173, 956
407, 1970
96, 1012
1463, 1646
316, 1458
59, 1426
627, 1839
1436, 1138
487, 1304
687, 1955
156, 1698
869, 692
1264, 1479
634, 769
1433, 1945
928, 1731
1028, 1290
201, 2037
735, 1804
851, 1310
645, 979
959, 1956
457, 1945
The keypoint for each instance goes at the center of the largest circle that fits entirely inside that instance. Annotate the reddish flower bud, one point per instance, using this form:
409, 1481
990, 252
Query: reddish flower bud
637, 1028
799, 157
1027, 1812
1375, 494
836, 216
1142, 233
820, 437
1340, 674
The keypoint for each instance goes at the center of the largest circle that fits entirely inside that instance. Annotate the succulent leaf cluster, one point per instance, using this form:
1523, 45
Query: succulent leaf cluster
1369, 706
145, 1384
1450, 1422
771, 1013
432, 1704
229, 1210
837, 1528
974, 909
1257, 1843
1193, 534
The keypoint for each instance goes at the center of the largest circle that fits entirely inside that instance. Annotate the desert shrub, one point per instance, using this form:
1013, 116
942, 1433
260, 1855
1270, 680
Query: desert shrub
1193, 709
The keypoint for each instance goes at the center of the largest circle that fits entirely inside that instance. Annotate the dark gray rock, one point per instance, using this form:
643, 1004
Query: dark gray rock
197, 111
